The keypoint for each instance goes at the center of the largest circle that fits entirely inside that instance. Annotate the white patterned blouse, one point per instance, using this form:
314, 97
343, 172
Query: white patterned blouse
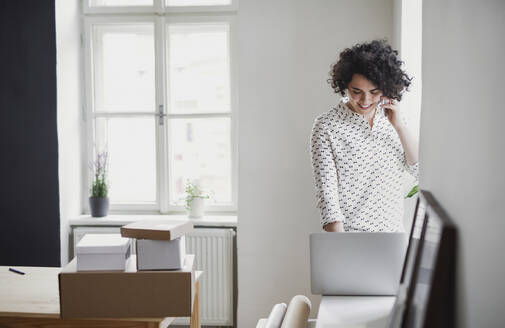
359, 170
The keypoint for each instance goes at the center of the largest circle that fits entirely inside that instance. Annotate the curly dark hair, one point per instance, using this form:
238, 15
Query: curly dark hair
376, 61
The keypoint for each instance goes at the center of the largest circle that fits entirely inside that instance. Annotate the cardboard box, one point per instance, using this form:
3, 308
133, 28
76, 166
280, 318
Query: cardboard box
129, 294
157, 229
102, 252
161, 254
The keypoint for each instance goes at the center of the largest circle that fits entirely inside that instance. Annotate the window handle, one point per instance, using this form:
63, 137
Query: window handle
161, 115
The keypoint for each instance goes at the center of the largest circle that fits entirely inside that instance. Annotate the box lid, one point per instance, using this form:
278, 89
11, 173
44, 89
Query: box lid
157, 229
105, 243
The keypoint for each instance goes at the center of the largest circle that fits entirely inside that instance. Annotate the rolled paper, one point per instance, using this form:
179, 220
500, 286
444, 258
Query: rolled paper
297, 313
276, 316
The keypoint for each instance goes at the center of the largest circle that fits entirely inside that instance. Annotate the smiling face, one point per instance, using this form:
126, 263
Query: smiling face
363, 95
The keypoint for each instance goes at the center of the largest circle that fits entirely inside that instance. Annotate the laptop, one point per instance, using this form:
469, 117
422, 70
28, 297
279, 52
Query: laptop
356, 263
425, 295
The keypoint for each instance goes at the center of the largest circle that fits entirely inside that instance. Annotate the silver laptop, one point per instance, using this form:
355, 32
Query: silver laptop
356, 263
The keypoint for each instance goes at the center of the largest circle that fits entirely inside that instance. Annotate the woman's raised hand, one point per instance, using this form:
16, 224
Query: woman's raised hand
393, 112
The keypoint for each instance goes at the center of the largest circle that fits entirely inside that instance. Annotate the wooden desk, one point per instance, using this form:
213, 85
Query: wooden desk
32, 300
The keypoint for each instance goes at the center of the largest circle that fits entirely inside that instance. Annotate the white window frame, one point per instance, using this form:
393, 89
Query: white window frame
158, 7
160, 17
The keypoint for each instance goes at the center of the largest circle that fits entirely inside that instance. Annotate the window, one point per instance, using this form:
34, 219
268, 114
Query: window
160, 95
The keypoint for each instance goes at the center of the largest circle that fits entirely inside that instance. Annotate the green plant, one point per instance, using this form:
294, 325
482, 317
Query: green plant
193, 191
99, 186
412, 192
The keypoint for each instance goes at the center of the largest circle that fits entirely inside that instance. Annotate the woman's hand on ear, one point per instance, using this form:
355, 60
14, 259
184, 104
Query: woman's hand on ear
409, 143
393, 112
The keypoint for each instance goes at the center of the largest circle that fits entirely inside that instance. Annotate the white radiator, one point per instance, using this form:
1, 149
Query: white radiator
213, 249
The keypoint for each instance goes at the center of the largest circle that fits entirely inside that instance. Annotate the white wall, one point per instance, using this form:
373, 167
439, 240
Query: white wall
463, 144
411, 53
285, 52
408, 32
397, 23
68, 70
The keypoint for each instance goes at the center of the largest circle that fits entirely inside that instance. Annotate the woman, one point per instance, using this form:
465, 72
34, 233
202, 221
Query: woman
361, 148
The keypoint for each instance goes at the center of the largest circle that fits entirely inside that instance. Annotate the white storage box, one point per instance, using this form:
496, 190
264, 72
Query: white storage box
161, 254
102, 252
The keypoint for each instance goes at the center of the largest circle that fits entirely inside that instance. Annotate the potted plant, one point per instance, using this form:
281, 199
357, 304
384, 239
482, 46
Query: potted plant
195, 200
98, 200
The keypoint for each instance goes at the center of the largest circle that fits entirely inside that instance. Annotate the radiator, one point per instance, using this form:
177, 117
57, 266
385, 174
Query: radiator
213, 249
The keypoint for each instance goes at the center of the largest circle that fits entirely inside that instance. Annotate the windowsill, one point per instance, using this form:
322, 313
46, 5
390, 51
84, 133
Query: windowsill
122, 219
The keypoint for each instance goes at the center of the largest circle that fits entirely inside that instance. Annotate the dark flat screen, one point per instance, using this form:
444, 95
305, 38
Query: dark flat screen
427, 261
415, 240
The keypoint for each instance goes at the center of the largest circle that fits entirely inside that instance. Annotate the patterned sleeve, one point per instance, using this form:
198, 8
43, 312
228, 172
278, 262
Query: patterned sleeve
325, 174
412, 169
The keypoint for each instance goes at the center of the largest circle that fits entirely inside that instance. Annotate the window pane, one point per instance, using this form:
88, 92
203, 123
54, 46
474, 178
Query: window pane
201, 149
178, 3
119, 3
199, 68
123, 60
132, 158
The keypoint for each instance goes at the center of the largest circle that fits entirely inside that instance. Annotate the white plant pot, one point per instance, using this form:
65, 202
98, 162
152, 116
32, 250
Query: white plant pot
197, 207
